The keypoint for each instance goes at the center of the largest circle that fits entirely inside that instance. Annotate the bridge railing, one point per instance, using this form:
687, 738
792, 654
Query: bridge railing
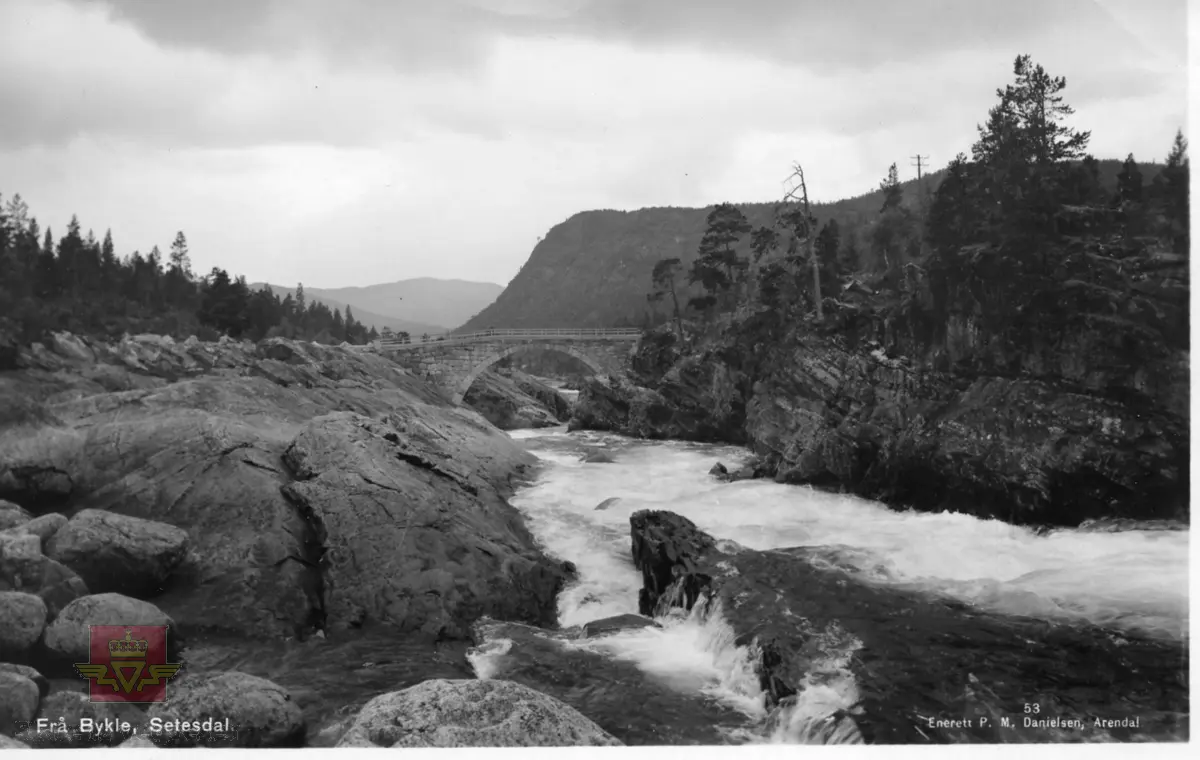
615, 333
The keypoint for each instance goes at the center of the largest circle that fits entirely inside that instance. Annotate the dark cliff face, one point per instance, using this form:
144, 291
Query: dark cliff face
1070, 424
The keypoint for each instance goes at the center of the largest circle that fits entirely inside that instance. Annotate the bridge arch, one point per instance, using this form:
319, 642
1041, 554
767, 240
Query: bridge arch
464, 385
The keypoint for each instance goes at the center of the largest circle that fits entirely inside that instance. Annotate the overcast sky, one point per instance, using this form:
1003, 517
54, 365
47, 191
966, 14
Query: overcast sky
350, 142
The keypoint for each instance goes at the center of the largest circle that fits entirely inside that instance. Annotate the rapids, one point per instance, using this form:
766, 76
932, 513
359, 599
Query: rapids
1135, 580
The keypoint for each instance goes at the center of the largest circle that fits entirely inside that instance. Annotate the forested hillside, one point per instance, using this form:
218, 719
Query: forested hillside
594, 269
80, 284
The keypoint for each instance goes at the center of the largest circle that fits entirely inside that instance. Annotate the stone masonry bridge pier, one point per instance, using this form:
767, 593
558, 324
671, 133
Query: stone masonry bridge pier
452, 362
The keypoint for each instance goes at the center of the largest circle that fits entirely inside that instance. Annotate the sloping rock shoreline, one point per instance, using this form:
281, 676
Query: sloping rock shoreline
275, 497
295, 470
1024, 449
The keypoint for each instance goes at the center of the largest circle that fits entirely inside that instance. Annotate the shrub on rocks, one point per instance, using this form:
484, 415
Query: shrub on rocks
261, 713
113, 552
22, 620
470, 713
19, 698
68, 637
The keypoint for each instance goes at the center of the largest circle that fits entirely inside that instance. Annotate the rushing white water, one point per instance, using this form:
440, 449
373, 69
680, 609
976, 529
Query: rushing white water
1126, 580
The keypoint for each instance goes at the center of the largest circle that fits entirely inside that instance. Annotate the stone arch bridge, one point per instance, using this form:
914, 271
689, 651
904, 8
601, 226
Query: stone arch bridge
452, 362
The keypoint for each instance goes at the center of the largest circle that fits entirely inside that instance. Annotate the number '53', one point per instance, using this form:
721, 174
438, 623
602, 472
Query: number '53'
1034, 708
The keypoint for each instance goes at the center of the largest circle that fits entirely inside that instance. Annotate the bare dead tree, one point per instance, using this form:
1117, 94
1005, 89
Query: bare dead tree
799, 194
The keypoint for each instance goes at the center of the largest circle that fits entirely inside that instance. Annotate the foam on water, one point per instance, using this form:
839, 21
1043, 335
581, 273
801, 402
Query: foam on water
1133, 580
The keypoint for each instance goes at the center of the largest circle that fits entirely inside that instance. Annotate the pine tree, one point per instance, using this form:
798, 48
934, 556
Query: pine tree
180, 260
663, 278
1129, 182
718, 267
893, 194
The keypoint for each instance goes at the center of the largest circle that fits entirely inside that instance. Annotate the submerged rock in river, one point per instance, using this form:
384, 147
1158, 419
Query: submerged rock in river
905, 666
637, 707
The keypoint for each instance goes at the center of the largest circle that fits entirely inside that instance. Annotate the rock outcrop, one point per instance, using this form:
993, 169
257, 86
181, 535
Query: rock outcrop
512, 400
382, 499
1049, 444
469, 713
857, 660
268, 472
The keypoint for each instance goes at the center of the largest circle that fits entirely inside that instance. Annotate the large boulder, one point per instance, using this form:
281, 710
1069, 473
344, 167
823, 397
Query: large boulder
43, 526
811, 621
30, 672
414, 532
260, 713
505, 405
119, 553
111, 722
468, 713
68, 637
22, 620
12, 515
19, 698
23, 567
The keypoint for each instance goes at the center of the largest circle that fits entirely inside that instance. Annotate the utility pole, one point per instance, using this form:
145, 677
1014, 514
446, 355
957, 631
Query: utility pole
920, 185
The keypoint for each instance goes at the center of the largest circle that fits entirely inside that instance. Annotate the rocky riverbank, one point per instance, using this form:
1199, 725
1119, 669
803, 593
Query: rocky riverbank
1085, 428
513, 400
842, 659
266, 493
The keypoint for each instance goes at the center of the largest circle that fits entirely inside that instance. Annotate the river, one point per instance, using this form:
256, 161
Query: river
1133, 580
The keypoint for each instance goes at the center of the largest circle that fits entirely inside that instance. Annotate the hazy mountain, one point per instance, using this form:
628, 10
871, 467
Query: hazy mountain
425, 299
593, 270
366, 316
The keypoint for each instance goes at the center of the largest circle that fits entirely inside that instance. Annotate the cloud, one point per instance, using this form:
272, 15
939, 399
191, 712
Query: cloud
360, 142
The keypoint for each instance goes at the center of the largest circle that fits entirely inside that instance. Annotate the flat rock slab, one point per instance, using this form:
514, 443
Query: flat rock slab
119, 553
469, 713
616, 624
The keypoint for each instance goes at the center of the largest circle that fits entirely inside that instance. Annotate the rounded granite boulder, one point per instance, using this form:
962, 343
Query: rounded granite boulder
119, 553
19, 699
68, 637
260, 713
22, 620
471, 713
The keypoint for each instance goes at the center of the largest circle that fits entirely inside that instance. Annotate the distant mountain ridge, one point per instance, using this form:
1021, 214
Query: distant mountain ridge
593, 270
417, 306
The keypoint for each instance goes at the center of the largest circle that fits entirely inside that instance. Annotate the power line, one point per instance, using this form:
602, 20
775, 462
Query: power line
919, 166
